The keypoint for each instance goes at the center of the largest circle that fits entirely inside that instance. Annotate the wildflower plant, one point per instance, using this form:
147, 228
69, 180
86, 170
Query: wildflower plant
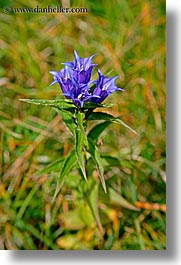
83, 95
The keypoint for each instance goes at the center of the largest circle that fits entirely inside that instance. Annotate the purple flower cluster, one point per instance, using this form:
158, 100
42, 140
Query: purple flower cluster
74, 80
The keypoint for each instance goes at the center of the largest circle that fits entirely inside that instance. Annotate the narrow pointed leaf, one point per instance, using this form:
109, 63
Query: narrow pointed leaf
112, 161
80, 142
67, 165
97, 130
59, 104
54, 166
118, 120
64, 104
97, 159
117, 198
101, 116
65, 108
110, 118
93, 203
79, 146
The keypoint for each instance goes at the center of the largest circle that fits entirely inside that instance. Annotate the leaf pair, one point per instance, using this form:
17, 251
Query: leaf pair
74, 119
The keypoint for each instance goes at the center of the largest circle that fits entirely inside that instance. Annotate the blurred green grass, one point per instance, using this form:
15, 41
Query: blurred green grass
128, 38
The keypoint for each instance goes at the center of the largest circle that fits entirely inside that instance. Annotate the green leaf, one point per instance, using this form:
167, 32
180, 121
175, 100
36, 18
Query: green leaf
67, 165
79, 145
61, 104
93, 202
90, 105
80, 142
68, 120
112, 161
97, 130
64, 104
97, 159
116, 198
110, 118
54, 166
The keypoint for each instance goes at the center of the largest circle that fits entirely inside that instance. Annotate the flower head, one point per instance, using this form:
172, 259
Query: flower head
75, 80
104, 86
81, 67
71, 88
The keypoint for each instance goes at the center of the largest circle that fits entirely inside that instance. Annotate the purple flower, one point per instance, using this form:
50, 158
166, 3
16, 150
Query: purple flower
71, 89
74, 80
81, 67
104, 86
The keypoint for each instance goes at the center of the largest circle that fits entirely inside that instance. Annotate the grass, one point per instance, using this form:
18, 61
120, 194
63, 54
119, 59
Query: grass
128, 39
